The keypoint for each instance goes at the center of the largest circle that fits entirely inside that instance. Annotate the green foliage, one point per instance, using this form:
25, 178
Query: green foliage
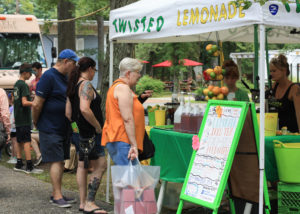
88, 52
9, 7
248, 3
27, 6
45, 9
245, 3
84, 7
149, 83
247, 65
199, 91
143, 50
156, 53
240, 85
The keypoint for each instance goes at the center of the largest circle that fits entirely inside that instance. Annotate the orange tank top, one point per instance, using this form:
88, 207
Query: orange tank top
114, 128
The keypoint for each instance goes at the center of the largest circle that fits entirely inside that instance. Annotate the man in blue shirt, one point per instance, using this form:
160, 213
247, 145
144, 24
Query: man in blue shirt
48, 112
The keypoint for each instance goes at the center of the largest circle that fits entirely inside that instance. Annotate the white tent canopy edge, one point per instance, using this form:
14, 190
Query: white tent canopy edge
149, 21
189, 21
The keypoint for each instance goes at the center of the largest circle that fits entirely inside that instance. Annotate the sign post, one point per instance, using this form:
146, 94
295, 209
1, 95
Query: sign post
211, 164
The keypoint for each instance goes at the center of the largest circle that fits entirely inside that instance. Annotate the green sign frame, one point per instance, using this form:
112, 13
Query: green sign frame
244, 108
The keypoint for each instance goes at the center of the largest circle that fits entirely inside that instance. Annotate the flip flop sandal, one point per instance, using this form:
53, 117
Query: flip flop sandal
94, 211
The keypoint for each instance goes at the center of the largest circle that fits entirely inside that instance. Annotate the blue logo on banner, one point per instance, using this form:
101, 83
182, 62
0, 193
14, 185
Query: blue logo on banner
273, 8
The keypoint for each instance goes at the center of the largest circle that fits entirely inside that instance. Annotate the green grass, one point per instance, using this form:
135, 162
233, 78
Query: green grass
162, 94
201, 101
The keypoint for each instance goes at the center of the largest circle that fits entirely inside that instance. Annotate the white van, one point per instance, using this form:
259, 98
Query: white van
20, 41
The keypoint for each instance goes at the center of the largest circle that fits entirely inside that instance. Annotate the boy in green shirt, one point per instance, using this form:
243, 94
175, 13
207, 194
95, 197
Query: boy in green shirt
22, 114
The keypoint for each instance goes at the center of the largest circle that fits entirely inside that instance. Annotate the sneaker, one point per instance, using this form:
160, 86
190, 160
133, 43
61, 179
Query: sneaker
38, 161
12, 160
68, 200
34, 171
20, 168
61, 203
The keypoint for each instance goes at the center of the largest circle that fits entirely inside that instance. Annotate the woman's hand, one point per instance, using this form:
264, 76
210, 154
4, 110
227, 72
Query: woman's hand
98, 130
146, 94
8, 139
133, 153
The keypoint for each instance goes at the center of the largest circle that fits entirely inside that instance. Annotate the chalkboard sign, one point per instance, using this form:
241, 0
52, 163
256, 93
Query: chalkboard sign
210, 160
211, 164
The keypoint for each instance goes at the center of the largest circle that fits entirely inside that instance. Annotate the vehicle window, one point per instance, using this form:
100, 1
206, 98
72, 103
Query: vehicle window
16, 49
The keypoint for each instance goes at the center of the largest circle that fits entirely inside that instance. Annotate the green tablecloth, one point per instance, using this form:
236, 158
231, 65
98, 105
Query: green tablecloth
173, 151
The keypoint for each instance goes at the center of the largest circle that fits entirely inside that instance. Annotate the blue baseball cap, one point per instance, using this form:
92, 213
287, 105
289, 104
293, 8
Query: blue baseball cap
68, 54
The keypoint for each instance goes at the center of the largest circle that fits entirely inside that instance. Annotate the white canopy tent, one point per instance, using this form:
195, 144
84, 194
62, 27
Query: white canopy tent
155, 21
189, 21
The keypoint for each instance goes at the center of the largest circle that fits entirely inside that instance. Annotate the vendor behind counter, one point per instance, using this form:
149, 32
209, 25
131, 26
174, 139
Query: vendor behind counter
231, 76
286, 93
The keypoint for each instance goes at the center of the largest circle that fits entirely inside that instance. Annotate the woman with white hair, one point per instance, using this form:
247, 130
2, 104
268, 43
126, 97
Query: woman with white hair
124, 128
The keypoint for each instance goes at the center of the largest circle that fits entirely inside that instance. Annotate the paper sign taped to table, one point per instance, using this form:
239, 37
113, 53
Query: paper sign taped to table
129, 210
211, 158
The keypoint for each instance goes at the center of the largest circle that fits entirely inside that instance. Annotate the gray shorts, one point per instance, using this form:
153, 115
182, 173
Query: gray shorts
54, 147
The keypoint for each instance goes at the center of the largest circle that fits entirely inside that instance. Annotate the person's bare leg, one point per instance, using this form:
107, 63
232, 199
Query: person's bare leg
99, 166
36, 137
36, 148
19, 148
56, 173
81, 177
14, 145
27, 150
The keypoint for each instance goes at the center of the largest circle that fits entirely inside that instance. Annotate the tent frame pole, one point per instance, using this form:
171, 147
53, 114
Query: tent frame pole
262, 34
111, 68
256, 46
267, 59
111, 62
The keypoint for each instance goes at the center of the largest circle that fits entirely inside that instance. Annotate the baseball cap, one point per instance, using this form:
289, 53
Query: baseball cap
25, 67
68, 54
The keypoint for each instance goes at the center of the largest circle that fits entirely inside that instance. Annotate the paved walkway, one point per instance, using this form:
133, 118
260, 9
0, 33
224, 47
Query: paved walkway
21, 193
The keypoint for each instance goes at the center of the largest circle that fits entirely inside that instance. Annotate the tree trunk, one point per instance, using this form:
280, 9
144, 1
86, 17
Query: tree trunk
100, 25
120, 51
150, 72
17, 7
66, 30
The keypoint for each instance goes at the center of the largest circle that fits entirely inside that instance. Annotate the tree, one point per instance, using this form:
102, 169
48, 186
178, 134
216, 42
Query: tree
100, 26
120, 51
13, 6
66, 30
45, 9
156, 53
90, 6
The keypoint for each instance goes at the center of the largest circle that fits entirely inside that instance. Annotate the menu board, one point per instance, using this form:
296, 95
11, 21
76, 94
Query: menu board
227, 127
211, 157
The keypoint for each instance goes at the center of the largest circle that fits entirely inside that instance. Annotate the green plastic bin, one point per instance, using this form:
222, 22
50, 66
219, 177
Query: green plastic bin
151, 118
287, 158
